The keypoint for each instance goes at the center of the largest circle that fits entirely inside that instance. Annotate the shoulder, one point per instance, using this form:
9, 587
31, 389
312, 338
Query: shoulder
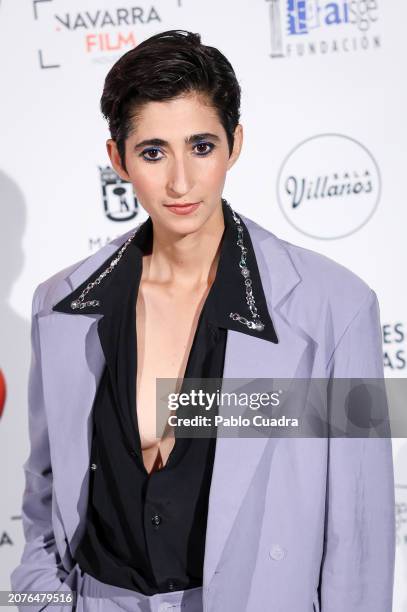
331, 288
325, 288
315, 269
52, 288
326, 277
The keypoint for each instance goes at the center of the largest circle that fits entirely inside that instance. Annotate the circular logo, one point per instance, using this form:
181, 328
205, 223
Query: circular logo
2, 392
328, 186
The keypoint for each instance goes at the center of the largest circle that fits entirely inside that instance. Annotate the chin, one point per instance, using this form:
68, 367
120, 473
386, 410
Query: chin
185, 224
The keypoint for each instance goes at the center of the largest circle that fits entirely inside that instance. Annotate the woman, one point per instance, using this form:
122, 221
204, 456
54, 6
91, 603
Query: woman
133, 520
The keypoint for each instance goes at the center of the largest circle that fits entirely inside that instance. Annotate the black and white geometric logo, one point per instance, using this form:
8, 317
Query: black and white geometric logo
119, 201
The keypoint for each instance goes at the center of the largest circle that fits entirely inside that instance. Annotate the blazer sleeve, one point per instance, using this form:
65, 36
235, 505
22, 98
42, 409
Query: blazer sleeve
357, 570
40, 568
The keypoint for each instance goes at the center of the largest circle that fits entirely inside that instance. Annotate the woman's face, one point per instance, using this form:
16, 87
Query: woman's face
177, 153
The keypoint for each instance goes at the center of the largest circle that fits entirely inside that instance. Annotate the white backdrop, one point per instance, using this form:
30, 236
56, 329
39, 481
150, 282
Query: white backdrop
323, 164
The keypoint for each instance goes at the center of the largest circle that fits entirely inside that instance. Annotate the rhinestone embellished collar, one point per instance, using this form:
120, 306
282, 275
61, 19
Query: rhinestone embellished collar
254, 322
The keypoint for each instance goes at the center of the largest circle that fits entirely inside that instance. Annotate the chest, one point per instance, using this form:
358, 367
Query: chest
166, 323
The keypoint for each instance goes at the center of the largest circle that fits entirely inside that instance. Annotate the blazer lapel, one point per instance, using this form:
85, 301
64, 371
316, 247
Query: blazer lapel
249, 357
70, 343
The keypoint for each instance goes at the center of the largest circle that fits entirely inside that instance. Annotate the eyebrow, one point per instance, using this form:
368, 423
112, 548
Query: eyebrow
194, 138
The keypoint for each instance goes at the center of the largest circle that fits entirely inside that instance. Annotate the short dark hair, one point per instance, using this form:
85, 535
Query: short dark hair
165, 66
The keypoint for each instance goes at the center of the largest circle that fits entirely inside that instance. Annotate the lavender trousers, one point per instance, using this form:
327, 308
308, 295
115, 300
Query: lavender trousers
96, 596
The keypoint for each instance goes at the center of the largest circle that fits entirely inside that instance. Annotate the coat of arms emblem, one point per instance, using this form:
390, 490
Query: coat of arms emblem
119, 201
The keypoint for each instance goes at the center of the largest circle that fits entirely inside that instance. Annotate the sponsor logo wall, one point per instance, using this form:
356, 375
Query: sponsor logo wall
322, 165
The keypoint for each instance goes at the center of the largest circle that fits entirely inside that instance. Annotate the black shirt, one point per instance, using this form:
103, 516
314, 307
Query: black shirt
146, 532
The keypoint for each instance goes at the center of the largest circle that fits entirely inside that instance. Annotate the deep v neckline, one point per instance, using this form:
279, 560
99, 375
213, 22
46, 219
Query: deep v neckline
117, 330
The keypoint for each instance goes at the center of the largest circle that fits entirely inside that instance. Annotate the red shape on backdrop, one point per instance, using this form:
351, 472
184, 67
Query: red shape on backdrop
2, 392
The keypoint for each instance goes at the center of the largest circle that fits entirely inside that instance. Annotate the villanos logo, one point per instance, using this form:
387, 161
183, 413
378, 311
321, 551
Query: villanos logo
96, 33
318, 27
119, 201
328, 186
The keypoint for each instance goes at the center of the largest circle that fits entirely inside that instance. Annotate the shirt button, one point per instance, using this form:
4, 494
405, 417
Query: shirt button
156, 520
277, 552
171, 585
93, 466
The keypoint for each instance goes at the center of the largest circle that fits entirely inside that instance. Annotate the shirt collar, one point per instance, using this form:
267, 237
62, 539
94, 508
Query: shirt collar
227, 294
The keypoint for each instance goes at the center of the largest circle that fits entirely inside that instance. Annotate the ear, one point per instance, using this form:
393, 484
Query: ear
114, 156
237, 145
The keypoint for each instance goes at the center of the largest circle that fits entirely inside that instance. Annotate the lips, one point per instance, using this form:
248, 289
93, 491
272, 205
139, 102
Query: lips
182, 204
183, 209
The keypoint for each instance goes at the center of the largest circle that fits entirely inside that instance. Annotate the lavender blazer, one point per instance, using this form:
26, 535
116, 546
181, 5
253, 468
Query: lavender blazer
300, 524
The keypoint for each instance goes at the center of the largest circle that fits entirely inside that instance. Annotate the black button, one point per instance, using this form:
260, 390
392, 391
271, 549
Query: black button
171, 585
156, 520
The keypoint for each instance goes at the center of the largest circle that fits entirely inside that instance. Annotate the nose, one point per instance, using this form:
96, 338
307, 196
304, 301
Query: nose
180, 177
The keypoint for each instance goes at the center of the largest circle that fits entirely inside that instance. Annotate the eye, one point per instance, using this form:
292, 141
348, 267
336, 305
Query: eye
152, 151
205, 144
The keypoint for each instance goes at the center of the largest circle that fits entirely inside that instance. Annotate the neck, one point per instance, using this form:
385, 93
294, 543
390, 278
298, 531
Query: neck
187, 261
